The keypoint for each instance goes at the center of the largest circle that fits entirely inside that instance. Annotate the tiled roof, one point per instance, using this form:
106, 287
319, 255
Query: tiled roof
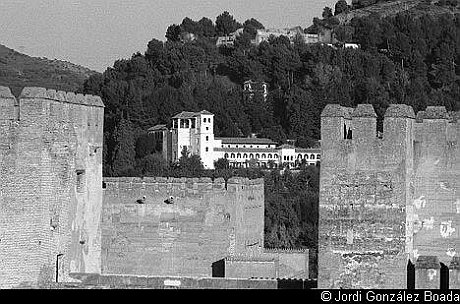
185, 114
286, 146
205, 112
157, 128
307, 150
246, 140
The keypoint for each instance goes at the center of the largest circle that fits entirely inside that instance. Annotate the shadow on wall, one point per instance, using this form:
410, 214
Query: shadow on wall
218, 269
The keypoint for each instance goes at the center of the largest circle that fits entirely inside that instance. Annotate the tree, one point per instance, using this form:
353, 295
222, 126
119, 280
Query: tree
190, 165
341, 7
327, 12
124, 151
190, 26
221, 163
226, 24
173, 33
207, 27
152, 165
251, 26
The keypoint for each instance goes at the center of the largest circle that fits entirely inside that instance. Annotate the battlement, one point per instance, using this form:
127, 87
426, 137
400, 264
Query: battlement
12, 108
364, 110
8, 105
51, 164
397, 182
185, 183
351, 136
68, 97
286, 250
394, 110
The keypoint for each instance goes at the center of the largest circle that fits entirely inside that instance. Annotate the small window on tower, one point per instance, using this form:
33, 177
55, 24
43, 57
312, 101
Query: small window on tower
80, 181
207, 138
207, 149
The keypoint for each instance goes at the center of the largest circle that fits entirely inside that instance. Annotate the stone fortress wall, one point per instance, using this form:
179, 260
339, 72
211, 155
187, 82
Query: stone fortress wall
50, 177
385, 200
179, 226
58, 217
190, 227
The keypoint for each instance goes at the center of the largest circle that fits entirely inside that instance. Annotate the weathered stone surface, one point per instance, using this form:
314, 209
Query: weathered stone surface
386, 200
44, 219
201, 224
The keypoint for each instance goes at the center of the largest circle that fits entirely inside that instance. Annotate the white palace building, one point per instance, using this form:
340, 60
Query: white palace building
195, 130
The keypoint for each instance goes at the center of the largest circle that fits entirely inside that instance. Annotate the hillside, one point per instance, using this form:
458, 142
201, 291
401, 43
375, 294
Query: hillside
391, 8
19, 70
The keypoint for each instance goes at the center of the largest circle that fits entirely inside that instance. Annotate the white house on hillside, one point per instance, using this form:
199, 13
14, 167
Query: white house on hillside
195, 131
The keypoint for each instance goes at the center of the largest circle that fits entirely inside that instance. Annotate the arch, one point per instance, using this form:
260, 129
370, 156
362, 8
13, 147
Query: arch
318, 156
312, 156
251, 155
226, 155
238, 155
245, 155
305, 156
269, 156
232, 155
275, 155
263, 155
257, 155
299, 156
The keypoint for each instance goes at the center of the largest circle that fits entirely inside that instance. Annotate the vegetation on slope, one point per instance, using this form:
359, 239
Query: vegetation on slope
19, 70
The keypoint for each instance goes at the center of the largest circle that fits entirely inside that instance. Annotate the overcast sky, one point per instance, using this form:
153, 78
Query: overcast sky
94, 33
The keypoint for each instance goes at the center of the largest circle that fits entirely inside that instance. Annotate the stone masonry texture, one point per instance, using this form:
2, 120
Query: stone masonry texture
182, 226
179, 226
50, 185
59, 217
385, 200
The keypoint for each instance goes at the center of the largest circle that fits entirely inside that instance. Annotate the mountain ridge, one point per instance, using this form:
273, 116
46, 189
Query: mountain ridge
18, 70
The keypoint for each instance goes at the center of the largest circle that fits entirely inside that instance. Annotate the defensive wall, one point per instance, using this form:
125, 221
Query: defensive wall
58, 217
386, 199
50, 185
191, 227
97, 281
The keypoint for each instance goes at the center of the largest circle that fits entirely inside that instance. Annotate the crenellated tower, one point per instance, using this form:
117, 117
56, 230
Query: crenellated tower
50, 185
386, 201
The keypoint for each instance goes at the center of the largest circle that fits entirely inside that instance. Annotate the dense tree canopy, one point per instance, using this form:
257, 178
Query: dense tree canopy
402, 59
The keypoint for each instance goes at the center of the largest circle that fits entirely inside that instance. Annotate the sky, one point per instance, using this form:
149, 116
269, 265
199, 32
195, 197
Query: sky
95, 33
